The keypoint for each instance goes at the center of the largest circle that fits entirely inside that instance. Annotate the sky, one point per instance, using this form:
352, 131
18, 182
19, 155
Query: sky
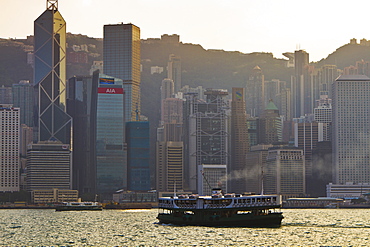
277, 26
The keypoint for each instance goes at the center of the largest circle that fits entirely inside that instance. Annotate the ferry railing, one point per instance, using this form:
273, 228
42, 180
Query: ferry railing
186, 206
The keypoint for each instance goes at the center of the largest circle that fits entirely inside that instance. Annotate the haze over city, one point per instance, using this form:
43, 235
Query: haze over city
185, 111
318, 27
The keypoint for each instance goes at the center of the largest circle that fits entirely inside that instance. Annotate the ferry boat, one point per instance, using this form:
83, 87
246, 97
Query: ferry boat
78, 206
221, 210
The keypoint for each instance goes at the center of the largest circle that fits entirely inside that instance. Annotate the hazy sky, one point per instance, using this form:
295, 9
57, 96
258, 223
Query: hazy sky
276, 26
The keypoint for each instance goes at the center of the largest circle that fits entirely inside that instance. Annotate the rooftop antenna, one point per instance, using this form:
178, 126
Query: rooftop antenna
52, 4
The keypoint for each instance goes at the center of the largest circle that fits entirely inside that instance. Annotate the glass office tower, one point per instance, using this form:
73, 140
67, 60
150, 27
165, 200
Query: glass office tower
23, 94
82, 107
138, 155
50, 74
122, 60
111, 153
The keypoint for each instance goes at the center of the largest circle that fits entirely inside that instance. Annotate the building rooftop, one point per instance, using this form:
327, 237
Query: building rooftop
271, 106
353, 78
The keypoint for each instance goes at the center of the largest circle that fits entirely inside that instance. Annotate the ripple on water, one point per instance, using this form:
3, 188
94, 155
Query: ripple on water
110, 227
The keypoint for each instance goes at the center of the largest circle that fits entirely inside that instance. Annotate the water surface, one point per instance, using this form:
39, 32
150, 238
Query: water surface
315, 227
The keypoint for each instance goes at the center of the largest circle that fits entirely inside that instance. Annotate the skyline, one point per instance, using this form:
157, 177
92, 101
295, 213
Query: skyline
246, 26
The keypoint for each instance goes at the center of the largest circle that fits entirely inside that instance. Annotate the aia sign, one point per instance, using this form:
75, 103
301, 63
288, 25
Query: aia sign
110, 90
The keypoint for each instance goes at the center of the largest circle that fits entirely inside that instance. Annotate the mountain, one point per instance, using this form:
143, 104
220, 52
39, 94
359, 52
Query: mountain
346, 55
13, 63
200, 67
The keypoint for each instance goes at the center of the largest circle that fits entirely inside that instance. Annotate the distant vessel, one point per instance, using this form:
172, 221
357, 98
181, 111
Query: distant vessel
221, 210
78, 206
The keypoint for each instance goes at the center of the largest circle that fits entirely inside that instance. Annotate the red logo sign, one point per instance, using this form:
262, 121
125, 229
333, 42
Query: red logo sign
110, 90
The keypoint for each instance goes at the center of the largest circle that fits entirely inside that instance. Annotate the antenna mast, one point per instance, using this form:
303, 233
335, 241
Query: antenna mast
52, 4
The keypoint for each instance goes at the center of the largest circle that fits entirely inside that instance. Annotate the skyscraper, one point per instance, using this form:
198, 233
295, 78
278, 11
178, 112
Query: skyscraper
174, 71
167, 89
327, 74
284, 173
82, 107
170, 165
322, 168
5, 95
9, 148
273, 90
323, 114
111, 150
270, 125
122, 60
49, 166
23, 97
50, 75
208, 156
239, 142
310, 86
363, 67
171, 111
306, 137
255, 93
137, 139
301, 60
252, 123
286, 104
256, 160
351, 125
169, 146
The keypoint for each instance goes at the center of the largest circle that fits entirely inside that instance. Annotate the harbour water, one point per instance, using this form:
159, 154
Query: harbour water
300, 227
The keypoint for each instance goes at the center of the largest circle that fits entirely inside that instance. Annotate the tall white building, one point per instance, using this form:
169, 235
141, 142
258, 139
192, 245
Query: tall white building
351, 129
9, 148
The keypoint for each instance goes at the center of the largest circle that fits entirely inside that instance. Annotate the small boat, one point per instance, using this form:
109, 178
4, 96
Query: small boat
77, 206
221, 210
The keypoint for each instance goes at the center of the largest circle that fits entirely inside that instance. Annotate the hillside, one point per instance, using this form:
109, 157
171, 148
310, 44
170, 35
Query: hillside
346, 55
213, 68
200, 67
13, 63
